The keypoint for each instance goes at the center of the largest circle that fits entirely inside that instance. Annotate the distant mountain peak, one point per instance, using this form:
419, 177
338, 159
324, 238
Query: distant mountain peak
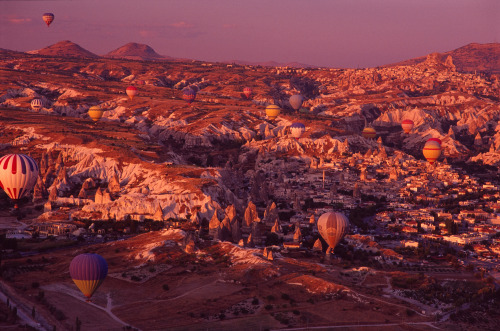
65, 48
135, 51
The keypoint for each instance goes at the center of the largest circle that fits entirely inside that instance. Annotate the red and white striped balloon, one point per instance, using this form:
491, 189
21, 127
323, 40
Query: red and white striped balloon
18, 174
131, 91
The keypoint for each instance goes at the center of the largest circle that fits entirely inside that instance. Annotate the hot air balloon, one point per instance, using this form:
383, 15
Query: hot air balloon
432, 150
131, 91
332, 227
369, 133
272, 111
297, 129
18, 175
48, 18
88, 272
407, 125
296, 101
189, 95
36, 104
95, 113
247, 91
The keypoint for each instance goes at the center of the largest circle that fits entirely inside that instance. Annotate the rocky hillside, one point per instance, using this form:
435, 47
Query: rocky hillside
65, 48
135, 51
470, 58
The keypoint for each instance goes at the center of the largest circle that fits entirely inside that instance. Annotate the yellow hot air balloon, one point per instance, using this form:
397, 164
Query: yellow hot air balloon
369, 133
332, 227
95, 113
432, 150
272, 111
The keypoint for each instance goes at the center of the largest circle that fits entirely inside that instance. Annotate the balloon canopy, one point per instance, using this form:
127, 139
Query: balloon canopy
297, 129
407, 125
18, 174
296, 101
432, 150
95, 113
88, 272
131, 91
48, 18
332, 227
36, 104
247, 91
272, 111
369, 133
189, 95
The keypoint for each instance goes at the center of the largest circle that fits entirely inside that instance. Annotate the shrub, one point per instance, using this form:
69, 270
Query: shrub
135, 278
255, 301
35, 285
285, 296
296, 312
268, 307
165, 287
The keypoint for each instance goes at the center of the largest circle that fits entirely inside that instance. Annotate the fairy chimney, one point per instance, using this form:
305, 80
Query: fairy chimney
214, 224
297, 235
250, 215
98, 196
158, 215
318, 246
114, 185
53, 193
106, 197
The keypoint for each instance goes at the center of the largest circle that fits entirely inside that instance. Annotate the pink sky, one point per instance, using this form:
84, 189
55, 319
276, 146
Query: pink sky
335, 33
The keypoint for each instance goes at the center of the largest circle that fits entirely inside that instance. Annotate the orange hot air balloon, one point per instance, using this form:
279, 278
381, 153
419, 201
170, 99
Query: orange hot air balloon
333, 227
272, 111
247, 91
48, 18
369, 133
131, 91
95, 113
407, 125
432, 150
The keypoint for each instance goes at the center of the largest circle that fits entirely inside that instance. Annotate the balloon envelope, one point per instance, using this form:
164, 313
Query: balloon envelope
407, 125
18, 174
297, 129
36, 104
247, 91
369, 132
88, 272
131, 92
333, 227
95, 113
296, 101
189, 95
432, 150
48, 18
272, 111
